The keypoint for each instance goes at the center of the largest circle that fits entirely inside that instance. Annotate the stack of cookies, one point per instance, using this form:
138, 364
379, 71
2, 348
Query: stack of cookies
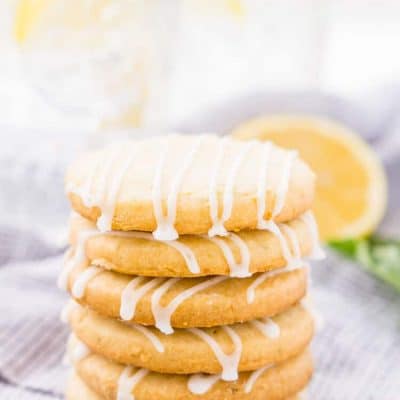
187, 271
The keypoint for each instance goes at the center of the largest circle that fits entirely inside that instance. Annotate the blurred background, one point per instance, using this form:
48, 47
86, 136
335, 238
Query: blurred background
79, 73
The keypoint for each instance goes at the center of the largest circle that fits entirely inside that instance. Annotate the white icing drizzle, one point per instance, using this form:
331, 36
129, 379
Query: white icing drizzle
162, 315
308, 218
284, 183
218, 226
80, 351
243, 268
263, 277
67, 309
105, 176
281, 192
202, 383
156, 193
104, 222
268, 327
187, 254
294, 240
230, 182
156, 342
165, 223
97, 196
132, 294
79, 286
185, 251
77, 350
229, 363
62, 280
85, 191
128, 381
248, 387
262, 187
78, 257
236, 269
274, 228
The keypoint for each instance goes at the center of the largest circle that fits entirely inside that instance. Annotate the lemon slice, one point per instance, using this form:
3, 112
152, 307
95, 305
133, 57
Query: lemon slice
351, 189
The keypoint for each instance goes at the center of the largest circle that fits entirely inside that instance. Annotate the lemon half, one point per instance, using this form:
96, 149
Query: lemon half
351, 188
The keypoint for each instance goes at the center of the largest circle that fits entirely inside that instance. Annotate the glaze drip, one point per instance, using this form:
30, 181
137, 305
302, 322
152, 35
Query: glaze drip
128, 380
202, 383
132, 294
79, 286
262, 186
155, 341
68, 309
104, 222
229, 363
294, 240
76, 350
316, 253
248, 387
236, 269
185, 251
281, 193
165, 223
218, 227
263, 277
162, 315
267, 327
284, 183
105, 176
77, 258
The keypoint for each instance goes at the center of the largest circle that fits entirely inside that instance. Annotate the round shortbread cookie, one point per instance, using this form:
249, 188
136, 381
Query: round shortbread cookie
188, 302
260, 342
179, 184
78, 390
109, 380
137, 253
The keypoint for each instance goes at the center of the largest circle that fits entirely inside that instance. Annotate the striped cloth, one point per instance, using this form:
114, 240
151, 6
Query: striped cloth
32, 335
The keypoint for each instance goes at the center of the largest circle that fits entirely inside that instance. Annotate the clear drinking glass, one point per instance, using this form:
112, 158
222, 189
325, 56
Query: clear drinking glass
101, 59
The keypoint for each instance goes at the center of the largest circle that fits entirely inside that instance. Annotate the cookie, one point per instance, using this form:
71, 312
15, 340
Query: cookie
78, 390
189, 302
175, 184
188, 351
110, 381
241, 254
